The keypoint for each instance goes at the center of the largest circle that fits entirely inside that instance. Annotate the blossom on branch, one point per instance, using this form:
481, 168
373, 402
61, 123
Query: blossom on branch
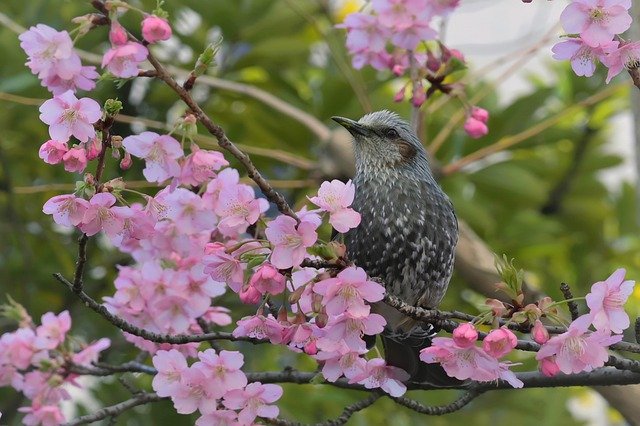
69, 116
606, 302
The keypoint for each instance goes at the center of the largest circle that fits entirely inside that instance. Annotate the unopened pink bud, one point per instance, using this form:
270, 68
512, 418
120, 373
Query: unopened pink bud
549, 367
94, 147
475, 128
321, 320
419, 96
480, 114
250, 296
499, 342
457, 54
126, 161
433, 64
497, 307
155, 29
465, 335
311, 348
117, 34
398, 69
399, 97
539, 333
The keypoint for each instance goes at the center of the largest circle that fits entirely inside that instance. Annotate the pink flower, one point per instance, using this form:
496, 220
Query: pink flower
67, 210
366, 41
83, 79
499, 342
597, 21
348, 291
465, 335
101, 215
45, 415
583, 57
18, 348
578, 349
75, 159
117, 34
348, 329
90, 354
69, 116
159, 152
260, 327
335, 197
238, 208
218, 418
122, 61
442, 7
549, 367
480, 114
155, 29
170, 365
289, 242
267, 279
377, 374
466, 362
53, 151
223, 267
627, 56
53, 330
475, 128
49, 51
201, 166
188, 210
253, 401
342, 361
539, 332
194, 392
223, 371
606, 302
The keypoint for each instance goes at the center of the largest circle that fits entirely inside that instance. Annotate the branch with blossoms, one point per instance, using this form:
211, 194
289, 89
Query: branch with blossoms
205, 234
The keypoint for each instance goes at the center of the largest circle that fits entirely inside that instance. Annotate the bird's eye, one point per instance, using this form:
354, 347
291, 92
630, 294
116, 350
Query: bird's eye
392, 133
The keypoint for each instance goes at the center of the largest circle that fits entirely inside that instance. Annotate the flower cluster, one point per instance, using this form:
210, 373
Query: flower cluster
463, 359
215, 386
580, 349
34, 360
596, 25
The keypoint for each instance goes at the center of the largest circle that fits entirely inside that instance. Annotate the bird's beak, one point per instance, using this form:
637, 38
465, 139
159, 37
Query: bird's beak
353, 127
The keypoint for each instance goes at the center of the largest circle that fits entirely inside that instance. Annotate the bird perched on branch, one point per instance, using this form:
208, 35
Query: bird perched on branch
407, 235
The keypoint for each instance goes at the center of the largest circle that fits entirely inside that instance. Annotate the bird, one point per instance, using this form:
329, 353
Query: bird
407, 235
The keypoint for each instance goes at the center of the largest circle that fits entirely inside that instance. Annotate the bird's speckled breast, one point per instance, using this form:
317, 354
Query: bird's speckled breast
407, 236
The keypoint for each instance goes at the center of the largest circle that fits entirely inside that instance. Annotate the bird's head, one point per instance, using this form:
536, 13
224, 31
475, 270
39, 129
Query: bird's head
383, 140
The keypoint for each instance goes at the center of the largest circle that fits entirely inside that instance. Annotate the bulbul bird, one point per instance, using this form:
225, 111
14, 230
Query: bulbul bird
407, 235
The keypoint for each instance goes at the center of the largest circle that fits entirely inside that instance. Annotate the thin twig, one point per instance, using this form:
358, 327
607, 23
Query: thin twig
573, 306
437, 410
114, 410
350, 410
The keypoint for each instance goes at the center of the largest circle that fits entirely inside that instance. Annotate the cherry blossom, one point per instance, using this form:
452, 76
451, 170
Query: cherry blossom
45, 415
606, 302
75, 159
69, 116
53, 151
260, 327
499, 342
267, 279
583, 56
348, 291
223, 267
626, 56
539, 332
155, 29
377, 374
102, 215
578, 349
465, 335
366, 41
159, 152
123, 61
218, 418
223, 371
342, 361
67, 210
475, 128
597, 21
53, 330
194, 392
349, 329
170, 365
238, 208
289, 241
201, 166
335, 197
117, 34
254, 401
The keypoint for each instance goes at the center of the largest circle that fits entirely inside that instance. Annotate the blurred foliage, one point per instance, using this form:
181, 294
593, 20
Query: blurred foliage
289, 48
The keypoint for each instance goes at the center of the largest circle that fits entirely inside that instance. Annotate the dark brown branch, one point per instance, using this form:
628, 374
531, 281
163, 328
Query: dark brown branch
350, 410
438, 410
572, 305
115, 410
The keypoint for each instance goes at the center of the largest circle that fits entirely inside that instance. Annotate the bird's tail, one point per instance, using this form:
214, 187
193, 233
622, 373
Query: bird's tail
402, 350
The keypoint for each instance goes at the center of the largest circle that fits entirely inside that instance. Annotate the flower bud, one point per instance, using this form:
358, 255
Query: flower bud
126, 161
497, 307
465, 335
549, 367
539, 333
322, 319
419, 96
475, 128
433, 64
116, 141
117, 34
295, 296
155, 29
399, 97
480, 114
398, 70
250, 296
94, 148
499, 342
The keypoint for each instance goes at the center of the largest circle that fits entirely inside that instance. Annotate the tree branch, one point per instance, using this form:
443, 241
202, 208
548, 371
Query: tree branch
438, 410
115, 410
